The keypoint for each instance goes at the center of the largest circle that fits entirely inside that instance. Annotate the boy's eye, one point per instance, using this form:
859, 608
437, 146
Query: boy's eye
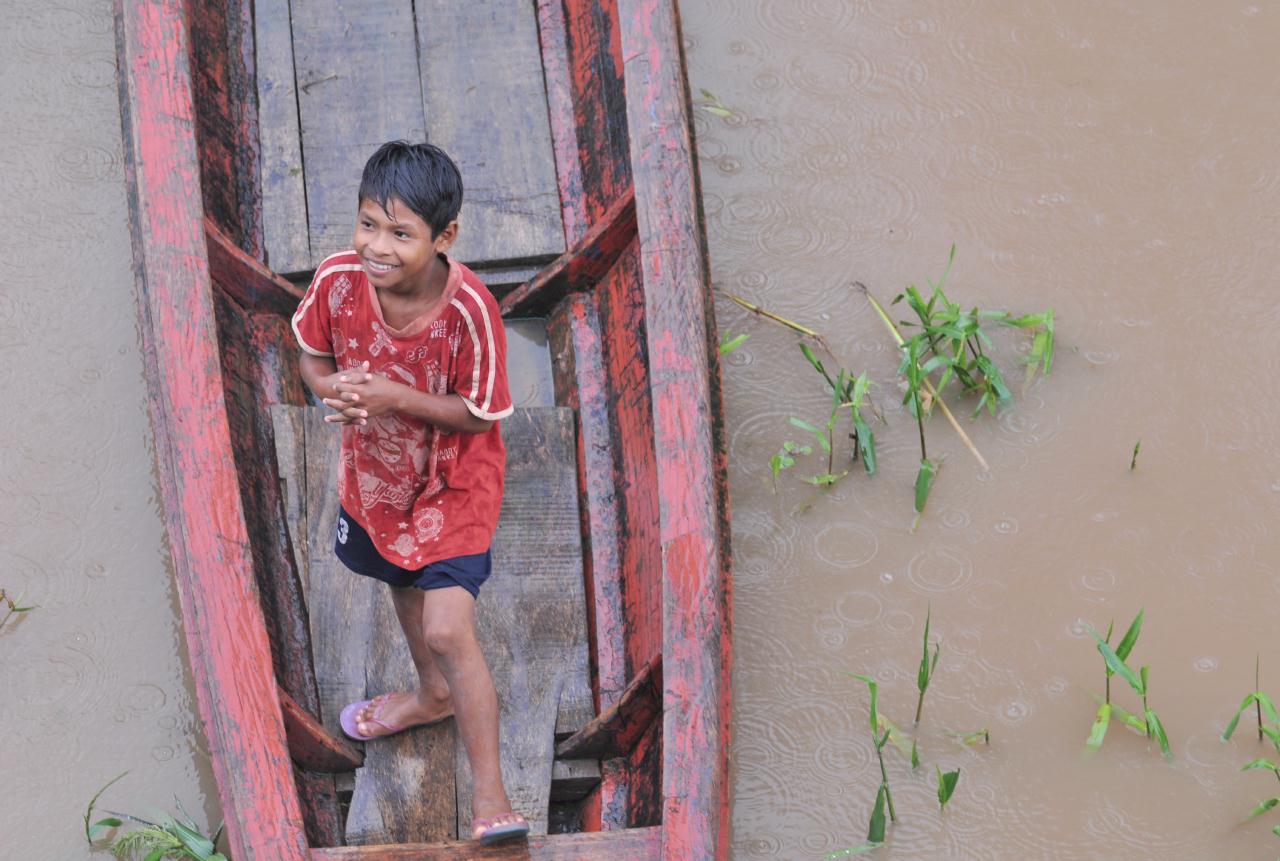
401, 234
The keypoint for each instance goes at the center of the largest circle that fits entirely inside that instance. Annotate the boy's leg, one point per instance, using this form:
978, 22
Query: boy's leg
431, 701
449, 630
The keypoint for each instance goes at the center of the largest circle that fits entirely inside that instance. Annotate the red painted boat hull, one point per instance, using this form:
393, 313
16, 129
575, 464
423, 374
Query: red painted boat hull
634, 349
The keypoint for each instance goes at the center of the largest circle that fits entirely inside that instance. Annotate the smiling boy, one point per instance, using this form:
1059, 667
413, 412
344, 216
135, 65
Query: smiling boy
407, 346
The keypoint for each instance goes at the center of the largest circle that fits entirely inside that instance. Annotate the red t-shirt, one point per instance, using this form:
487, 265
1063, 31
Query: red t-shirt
421, 493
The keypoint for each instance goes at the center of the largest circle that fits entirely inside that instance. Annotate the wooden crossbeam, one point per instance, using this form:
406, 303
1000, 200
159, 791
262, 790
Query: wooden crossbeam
311, 745
617, 729
245, 279
581, 266
631, 844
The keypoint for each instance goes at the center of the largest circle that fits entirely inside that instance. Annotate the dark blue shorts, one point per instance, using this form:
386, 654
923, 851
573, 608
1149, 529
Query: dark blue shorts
355, 550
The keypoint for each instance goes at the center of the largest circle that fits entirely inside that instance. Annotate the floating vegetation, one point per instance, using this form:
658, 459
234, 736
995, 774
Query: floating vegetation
732, 342
927, 666
971, 738
1259, 700
12, 606
151, 841
785, 458
1149, 724
712, 105
1133, 461
783, 321
946, 785
934, 397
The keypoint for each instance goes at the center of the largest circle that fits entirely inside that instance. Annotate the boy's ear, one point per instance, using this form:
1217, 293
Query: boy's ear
445, 238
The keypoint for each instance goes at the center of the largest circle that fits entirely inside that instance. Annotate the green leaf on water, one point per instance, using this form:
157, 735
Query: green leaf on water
946, 785
875, 829
1130, 638
924, 483
968, 738
1268, 707
1263, 807
1129, 719
1117, 666
1157, 729
915, 755
1231, 727
1261, 762
817, 432
826, 479
90, 831
866, 445
1099, 729
875, 696
729, 344
896, 736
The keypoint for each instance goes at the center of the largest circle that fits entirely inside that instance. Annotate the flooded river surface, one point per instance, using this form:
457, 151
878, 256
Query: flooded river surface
1118, 164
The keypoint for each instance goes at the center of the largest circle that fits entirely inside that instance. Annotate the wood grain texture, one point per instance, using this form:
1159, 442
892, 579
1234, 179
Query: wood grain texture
485, 104
530, 616
690, 479
358, 87
222, 62
558, 79
290, 440
340, 603
617, 729
636, 844
208, 540
252, 285
284, 199
579, 268
405, 792
311, 745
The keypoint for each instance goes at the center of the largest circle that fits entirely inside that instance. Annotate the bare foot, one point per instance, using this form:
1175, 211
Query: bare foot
401, 711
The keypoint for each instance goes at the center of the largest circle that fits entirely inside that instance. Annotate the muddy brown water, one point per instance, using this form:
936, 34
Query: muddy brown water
1117, 163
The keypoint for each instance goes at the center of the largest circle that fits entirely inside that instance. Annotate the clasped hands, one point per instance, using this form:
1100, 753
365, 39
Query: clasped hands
360, 395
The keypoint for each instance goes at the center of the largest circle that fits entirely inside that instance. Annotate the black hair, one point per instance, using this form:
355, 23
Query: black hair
421, 175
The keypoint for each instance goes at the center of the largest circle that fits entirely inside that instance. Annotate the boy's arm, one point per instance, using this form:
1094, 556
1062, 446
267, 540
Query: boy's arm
376, 396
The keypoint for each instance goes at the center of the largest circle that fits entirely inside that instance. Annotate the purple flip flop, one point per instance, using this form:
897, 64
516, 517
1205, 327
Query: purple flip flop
351, 728
491, 833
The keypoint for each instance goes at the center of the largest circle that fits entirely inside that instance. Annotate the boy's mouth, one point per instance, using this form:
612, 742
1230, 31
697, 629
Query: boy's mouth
378, 267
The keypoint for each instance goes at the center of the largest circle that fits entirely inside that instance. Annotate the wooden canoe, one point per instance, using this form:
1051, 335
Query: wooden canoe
632, 336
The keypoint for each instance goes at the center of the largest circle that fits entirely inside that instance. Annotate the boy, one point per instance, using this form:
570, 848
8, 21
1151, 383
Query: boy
407, 346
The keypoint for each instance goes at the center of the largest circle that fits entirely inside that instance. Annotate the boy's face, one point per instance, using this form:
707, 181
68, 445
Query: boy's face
396, 247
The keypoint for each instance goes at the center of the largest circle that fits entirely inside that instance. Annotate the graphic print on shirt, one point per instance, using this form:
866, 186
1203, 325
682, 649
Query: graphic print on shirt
338, 293
381, 341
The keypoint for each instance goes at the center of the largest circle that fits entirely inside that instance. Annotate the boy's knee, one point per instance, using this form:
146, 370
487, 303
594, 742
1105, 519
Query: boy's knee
445, 637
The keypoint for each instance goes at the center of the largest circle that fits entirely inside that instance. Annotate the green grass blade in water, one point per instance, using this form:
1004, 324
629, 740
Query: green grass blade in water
1262, 762
853, 850
1130, 638
1099, 730
1156, 728
1117, 666
1235, 720
875, 829
1263, 807
946, 785
924, 483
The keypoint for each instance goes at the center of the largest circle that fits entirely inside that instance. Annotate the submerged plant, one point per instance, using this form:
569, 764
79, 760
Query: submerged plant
1150, 724
712, 105
925, 673
732, 342
916, 376
1133, 461
1106, 708
946, 785
785, 458
1259, 700
884, 798
12, 607
152, 841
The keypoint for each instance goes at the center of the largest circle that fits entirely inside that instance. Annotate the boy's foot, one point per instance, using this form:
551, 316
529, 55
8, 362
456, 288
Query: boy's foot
506, 826
387, 714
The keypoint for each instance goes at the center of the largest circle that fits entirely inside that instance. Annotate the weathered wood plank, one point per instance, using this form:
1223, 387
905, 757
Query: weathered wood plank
617, 730
340, 604
284, 201
634, 844
572, 779
311, 745
358, 87
252, 285
204, 519
287, 422
222, 57
405, 792
486, 105
690, 466
579, 268
530, 616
